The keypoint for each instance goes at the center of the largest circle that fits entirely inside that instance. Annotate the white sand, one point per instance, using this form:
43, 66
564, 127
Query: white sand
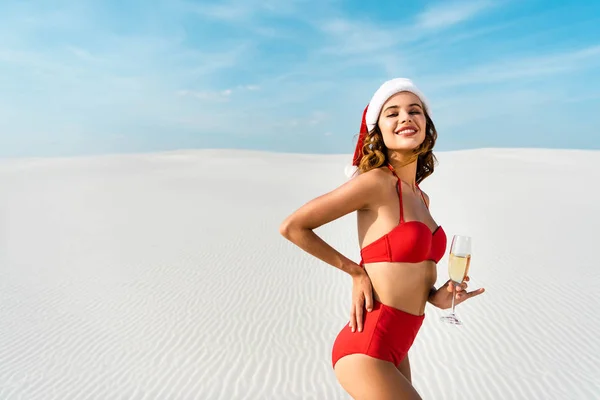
164, 277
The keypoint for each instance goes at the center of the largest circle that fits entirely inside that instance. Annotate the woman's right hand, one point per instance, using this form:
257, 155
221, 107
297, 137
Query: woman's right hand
362, 298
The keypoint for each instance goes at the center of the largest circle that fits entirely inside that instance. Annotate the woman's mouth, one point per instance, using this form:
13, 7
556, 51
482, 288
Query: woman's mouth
407, 132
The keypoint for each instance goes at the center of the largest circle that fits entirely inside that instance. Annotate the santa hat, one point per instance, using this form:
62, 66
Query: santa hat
373, 109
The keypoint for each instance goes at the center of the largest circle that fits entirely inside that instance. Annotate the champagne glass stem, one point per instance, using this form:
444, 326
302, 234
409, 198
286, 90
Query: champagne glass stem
453, 296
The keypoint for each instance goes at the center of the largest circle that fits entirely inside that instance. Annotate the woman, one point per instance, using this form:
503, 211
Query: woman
400, 244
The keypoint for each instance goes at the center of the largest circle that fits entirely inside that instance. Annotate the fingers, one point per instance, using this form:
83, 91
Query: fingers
467, 295
475, 292
357, 312
369, 301
359, 316
356, 316
460, 287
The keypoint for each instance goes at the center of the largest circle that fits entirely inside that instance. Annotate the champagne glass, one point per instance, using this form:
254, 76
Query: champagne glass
458, 269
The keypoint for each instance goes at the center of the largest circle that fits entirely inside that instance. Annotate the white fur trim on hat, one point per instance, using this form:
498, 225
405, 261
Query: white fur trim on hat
387, 90
350, 171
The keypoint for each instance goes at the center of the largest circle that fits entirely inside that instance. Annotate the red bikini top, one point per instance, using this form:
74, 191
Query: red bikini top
409, 241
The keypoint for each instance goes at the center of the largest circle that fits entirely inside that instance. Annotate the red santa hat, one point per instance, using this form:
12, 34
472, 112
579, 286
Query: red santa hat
373, 109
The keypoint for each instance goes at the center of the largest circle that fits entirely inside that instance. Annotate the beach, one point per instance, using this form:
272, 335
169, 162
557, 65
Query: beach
164, 276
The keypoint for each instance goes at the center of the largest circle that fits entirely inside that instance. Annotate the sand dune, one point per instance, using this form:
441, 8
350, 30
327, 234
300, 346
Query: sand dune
163, 276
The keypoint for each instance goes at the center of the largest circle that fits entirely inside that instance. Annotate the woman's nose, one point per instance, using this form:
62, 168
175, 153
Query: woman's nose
404, 118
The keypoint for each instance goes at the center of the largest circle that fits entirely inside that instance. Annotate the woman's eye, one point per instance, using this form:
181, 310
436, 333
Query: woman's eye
393, 115
415, 112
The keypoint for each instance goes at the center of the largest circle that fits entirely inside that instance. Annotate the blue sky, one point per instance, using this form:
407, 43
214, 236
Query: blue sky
90, 77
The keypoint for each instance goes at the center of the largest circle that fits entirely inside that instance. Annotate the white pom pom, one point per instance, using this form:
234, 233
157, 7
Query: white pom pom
350, 170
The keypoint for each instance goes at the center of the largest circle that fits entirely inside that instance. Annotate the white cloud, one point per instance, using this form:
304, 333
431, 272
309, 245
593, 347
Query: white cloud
209, 96
448, 13
241, 11
230, 12
512, 69
250, 87
350, 37
317, 117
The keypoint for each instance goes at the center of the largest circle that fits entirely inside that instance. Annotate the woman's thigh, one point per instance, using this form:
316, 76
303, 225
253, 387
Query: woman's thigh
404, 368
365, 377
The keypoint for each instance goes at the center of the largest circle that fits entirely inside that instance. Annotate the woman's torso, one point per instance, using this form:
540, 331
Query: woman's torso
402, 285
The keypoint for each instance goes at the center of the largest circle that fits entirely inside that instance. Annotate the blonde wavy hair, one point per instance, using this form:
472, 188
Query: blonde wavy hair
375, 152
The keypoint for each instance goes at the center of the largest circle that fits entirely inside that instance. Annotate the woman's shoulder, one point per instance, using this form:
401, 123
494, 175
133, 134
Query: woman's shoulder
373, 184
368, 185
377, 175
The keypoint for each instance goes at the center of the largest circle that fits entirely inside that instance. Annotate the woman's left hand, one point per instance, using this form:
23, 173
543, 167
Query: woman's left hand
442, 298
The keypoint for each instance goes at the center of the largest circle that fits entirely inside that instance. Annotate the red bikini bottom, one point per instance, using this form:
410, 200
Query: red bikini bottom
388, 334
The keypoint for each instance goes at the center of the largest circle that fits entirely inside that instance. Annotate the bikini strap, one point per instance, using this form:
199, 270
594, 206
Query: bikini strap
422, 196
399, 188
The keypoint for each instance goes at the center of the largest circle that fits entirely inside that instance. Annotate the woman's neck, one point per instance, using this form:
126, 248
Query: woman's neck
405, 169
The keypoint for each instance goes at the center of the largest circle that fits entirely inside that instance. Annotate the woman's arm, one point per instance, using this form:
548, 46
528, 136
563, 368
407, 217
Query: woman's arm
431, 297
356, 194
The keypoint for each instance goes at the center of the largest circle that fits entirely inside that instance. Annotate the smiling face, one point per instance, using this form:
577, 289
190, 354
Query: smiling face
402, 122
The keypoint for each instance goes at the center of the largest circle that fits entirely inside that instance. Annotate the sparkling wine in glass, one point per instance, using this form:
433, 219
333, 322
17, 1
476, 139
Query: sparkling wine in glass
458, 269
